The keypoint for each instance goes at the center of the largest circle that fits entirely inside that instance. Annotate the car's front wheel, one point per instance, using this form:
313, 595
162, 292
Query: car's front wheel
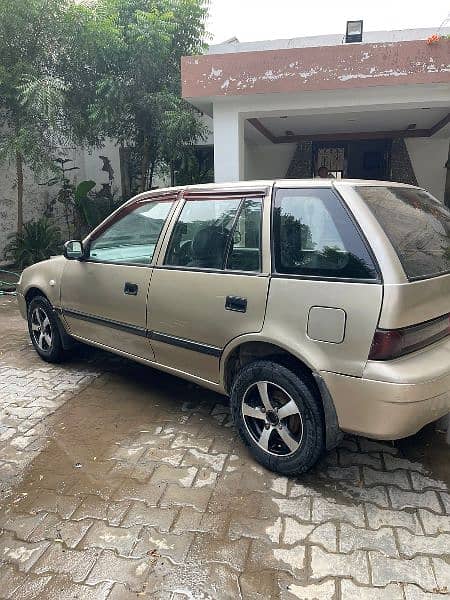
44, 332
278, 416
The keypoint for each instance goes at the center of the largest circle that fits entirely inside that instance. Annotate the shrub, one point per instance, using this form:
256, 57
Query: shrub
38, 241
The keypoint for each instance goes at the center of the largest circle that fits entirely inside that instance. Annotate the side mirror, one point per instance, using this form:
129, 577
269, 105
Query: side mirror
73, 250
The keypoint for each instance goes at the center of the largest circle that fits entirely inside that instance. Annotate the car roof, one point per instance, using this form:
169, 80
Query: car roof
262, 185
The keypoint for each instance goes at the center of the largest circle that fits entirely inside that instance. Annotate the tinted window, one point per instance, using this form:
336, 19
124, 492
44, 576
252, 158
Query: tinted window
132, 239
213, 233
315, 236
417, 225
245, 248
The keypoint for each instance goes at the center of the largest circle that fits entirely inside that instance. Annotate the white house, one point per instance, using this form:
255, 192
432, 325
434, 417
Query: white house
378, 109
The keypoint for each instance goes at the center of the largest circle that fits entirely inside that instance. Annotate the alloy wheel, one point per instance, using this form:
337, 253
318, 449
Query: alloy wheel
41, 329
272, 418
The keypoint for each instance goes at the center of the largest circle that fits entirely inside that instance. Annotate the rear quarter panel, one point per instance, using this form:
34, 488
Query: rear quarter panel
289, 303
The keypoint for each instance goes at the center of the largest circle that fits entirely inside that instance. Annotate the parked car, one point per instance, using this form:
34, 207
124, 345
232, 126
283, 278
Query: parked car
318, 306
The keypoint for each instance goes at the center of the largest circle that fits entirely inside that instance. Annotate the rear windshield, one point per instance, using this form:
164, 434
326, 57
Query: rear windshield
417, 225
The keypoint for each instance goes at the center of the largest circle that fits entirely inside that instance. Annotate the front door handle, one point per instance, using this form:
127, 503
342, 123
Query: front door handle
131, 289
236, 303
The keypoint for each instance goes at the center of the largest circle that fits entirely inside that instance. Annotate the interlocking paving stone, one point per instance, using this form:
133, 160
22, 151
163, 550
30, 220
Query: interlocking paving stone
433, 523
32, 588
19, 553
21, 525
410, 544
58, 559
376, 477
401, 499
350, 591
177, 496
121, 539
93, 507
53, 528
326, 510
390, 570
299, 508
353, 538
141, 514
421, 482
110, 567
61, 588
172, 545
412, 592
10, 579
442, 573
319, 591
379, 517
325, 564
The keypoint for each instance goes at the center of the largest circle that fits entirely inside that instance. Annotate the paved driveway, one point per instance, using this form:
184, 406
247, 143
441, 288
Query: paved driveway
120, 482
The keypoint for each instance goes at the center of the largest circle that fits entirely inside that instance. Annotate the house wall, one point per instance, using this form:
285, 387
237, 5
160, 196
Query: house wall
268, 161
428, 157
36, 197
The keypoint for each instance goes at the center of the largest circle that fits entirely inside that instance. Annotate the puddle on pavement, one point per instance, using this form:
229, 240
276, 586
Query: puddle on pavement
429, 447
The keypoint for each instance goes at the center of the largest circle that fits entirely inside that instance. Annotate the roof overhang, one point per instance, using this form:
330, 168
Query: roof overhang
313, 69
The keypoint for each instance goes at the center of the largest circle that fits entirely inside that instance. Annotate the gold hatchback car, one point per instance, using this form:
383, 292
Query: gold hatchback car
318, 306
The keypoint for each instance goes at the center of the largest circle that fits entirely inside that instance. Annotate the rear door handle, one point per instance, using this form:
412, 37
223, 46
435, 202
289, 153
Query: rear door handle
236, 303
131, 289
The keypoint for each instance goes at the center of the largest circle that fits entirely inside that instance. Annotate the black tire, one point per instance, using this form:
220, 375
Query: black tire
305, 428
44, 335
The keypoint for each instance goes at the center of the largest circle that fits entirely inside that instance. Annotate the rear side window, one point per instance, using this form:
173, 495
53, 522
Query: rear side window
217, 233
315, 236
417, 225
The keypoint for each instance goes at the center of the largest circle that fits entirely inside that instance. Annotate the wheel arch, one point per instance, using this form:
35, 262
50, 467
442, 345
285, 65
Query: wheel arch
249, 349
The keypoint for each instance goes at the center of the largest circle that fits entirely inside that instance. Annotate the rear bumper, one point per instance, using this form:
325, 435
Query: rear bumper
384, 409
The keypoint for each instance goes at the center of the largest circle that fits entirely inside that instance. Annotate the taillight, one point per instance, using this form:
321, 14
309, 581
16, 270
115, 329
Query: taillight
392, 343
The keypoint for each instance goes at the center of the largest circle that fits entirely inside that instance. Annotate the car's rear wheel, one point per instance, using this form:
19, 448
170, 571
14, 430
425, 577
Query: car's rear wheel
44, 332
278, 416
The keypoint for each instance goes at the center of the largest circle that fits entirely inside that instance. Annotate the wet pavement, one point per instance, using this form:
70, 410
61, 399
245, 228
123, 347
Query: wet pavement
121, 482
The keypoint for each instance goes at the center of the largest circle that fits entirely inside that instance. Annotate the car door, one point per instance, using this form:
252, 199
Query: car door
211, 282
104, 297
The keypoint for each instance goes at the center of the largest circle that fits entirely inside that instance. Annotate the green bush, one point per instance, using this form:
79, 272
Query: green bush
38, 241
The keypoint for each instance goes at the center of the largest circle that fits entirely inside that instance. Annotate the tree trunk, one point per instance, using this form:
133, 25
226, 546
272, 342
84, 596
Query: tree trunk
19, 172
152, 172
172, 174
145, 163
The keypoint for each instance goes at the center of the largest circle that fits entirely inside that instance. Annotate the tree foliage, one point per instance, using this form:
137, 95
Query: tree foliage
144, 78
83, 72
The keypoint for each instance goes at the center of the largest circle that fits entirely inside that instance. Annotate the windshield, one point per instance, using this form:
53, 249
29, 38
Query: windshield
417, 225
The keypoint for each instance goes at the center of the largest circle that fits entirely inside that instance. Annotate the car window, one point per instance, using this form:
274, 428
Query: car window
203, 233
315, 236
417, 225
245, 249
133, 238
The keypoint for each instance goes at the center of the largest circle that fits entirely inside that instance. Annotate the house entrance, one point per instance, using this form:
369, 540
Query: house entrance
355, 159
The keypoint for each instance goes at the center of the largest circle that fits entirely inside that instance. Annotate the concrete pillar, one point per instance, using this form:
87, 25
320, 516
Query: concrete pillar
228, 144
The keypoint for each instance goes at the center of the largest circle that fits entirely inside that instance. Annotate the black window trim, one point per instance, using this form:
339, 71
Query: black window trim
211, 196
277, 275
152, 262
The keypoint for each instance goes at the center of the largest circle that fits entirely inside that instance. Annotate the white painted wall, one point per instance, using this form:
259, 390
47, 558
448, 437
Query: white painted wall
36, 197
268, 161
228, 144
428, 157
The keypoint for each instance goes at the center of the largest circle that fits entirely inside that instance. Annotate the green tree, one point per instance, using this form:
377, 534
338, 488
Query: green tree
31, 91
138, 100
